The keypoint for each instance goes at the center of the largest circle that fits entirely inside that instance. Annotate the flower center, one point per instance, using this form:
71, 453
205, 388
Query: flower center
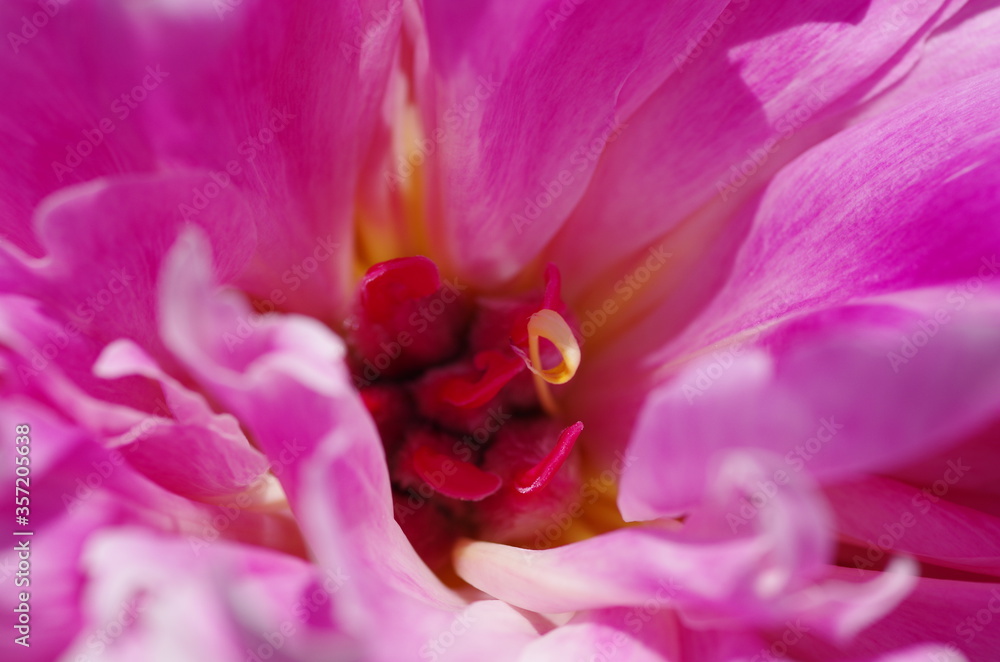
460, 387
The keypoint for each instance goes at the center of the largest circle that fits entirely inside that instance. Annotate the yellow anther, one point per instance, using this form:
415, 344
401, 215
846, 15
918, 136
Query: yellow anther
550, 325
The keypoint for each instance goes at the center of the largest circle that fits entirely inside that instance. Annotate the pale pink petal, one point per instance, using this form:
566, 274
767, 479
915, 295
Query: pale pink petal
879, 208
960, 48
757, 554
647, 633
226, 463
781, 388
863, 214
103, 243
289, 386
141, 589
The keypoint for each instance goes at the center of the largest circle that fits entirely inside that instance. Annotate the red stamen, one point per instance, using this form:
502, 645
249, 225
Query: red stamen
498, 369
390, 283
539, 475
551, 299
553, 283
454, 478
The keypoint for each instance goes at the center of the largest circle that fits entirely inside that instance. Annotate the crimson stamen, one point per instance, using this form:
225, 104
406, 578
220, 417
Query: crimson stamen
553, 284
390, 283
454, 478
498, 369
538, 476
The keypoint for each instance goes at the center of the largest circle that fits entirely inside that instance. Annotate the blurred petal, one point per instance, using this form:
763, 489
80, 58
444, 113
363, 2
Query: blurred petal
773, 570
785, 393
249, 601
883, 516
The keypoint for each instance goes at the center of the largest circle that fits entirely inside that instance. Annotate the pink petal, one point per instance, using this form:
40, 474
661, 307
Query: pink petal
884, 517
961, 48
792, 251
123, 227
200, 455
507, 79
937, 614
817, 238
713, 570
645, 634
783, 391
760, 86
263, 102
141, 589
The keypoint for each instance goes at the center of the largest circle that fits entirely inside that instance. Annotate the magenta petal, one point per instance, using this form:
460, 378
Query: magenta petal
883, 516
495, 66
259, 99
962, 47
103, 244
763, 84
940, 614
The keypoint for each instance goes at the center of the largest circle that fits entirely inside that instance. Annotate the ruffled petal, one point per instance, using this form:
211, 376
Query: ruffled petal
920, 376
276, 102
757, 554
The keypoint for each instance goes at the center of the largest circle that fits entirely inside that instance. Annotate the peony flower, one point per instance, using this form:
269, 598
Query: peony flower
531, 331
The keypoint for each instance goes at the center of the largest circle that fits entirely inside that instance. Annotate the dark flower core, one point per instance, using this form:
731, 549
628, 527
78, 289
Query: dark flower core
458, 386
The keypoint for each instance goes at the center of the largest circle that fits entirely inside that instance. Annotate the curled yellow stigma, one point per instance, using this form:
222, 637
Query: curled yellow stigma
550, 325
